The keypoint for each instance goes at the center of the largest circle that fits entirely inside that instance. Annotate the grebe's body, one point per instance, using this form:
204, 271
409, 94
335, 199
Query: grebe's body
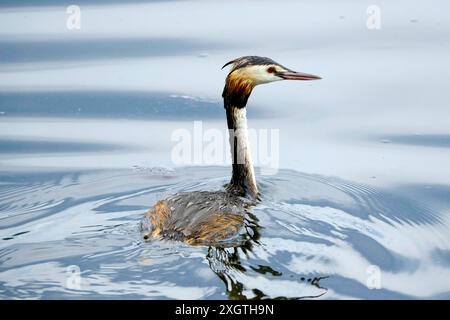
207, 218
200, 217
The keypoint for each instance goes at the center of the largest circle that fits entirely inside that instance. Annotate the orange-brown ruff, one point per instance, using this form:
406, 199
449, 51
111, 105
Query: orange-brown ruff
212, 218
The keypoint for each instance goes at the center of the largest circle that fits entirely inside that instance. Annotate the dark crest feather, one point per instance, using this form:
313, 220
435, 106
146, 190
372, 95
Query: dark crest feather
228, 63
250, 61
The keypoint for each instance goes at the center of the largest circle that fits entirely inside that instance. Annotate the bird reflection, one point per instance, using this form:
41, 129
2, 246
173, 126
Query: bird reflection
226, 261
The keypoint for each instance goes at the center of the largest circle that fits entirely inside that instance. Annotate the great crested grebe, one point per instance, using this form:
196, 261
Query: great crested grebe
205, 217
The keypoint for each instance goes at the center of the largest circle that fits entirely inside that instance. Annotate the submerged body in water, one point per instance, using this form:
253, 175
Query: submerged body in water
200, 217
210, 217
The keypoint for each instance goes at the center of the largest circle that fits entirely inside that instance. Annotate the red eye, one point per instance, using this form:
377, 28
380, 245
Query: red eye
271, 70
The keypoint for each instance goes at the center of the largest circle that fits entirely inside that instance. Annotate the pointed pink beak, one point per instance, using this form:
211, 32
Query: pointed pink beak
293, 75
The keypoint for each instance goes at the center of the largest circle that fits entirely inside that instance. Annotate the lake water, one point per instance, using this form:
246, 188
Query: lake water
360, 205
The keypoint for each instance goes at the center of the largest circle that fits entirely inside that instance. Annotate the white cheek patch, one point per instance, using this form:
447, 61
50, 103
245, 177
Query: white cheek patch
260, 75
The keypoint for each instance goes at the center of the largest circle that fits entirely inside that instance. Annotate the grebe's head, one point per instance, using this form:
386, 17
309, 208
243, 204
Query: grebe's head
258, 70
250, 71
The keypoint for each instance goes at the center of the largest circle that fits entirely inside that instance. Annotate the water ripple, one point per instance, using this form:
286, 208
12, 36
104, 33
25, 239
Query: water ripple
309, 237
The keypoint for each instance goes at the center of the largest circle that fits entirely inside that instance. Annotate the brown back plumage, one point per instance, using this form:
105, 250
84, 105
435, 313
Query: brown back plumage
197, 218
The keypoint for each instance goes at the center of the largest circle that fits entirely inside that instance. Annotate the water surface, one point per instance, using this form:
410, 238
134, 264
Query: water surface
309, 236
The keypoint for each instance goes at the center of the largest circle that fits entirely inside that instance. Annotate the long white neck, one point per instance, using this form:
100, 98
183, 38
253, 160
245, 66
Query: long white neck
243, 178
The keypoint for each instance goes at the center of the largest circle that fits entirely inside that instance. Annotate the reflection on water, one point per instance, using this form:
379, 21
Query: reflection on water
95, 49
44, 146
228, 265
427, 140
91, 104
309, 237
65, 3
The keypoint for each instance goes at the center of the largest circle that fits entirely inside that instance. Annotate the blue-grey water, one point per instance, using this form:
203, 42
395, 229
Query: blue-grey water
360, 205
